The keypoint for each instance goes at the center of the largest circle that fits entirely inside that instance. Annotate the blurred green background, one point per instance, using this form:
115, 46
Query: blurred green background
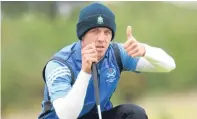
32, 32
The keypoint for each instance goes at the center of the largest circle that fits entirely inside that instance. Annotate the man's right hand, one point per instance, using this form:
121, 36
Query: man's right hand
89, 55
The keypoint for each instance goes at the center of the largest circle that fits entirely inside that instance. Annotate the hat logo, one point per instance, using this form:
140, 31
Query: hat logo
100, 20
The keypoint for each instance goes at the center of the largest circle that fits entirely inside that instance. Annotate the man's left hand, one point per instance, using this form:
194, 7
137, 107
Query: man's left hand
132, 46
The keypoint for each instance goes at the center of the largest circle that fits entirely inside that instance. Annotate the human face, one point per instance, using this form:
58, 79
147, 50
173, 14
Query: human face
101, 37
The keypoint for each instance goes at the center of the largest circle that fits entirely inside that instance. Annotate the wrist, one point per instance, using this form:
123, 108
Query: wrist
143, 49
148, 50
84, 75
87, 71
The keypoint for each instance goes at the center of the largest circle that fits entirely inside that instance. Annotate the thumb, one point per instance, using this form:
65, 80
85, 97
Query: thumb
129, 32
93, 44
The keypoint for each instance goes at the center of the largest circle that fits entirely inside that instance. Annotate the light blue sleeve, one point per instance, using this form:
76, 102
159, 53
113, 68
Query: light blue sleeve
58, 79
129, 63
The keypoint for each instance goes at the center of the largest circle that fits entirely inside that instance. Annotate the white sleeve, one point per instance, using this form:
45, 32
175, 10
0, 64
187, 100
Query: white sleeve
70, 106
155, 60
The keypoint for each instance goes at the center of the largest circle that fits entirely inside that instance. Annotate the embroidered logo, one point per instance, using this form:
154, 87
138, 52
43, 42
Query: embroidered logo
111, 73
100, 20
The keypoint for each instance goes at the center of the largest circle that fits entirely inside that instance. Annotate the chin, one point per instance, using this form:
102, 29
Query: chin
100, 56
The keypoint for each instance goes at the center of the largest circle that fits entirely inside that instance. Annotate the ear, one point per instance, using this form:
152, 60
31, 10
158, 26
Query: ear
82, 38
82, 42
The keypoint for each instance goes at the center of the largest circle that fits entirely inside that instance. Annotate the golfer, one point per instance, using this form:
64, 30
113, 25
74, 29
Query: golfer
69, 90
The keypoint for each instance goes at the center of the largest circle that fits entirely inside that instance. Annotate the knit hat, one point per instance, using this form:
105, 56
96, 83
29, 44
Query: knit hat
95, 15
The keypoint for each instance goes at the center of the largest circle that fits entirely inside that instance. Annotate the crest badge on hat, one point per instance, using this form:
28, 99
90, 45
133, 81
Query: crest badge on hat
100, 20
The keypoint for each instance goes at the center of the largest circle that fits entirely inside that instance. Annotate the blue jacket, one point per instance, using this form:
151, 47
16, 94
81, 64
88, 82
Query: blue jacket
108, 79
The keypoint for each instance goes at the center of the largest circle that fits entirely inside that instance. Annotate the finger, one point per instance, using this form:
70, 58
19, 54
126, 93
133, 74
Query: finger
131, 47
93, 45
89, 54
129, 32
94, 60
94, 55
134, 51
91, 59
88, 51
127, 43
89, 46
132, 38
136, 54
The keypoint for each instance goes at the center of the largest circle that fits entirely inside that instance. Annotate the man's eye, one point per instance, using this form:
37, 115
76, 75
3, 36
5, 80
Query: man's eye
108, 32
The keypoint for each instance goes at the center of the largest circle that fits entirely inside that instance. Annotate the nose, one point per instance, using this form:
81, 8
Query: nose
101, 37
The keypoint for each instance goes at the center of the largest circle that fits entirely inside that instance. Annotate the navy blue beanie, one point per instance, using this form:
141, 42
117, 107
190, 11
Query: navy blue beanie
95, 15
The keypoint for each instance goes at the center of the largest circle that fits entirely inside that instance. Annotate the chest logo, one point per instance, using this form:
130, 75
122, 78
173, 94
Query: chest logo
111, 75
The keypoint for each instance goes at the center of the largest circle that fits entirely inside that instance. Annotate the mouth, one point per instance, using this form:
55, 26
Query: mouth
99, 46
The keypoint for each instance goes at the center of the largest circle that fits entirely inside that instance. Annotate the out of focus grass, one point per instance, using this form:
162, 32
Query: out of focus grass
173, 106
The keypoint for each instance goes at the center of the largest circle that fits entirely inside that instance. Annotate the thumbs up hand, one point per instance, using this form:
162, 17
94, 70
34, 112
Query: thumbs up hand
132, 46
